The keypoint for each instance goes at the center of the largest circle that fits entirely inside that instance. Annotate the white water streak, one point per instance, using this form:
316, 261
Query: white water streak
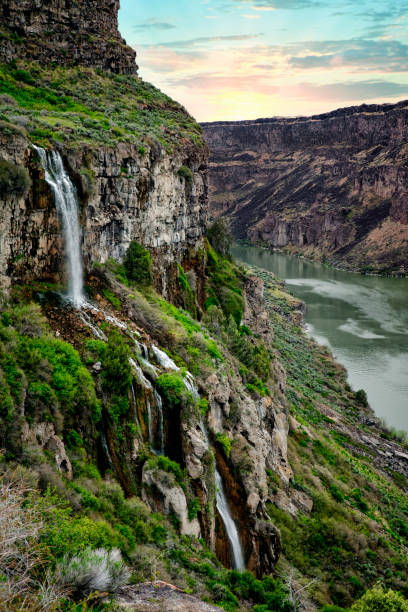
66, 203
229, 523
225, 513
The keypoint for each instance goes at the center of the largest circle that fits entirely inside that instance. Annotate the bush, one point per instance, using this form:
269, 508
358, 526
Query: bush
14, 180
93, 570
361, 397
171, 386
378, 600
185, 173
138, 264
222, 593
171, 467
220, 237
117, 371
225, 442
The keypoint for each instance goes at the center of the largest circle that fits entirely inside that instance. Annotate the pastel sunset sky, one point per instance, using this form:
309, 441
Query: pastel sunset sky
243, 59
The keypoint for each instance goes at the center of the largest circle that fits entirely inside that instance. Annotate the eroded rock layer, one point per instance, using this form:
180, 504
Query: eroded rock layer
332, 185
65, 32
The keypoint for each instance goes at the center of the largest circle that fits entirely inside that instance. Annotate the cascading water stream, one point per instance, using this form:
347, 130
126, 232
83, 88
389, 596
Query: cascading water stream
66, 203
229, 523
159, 405
225, 513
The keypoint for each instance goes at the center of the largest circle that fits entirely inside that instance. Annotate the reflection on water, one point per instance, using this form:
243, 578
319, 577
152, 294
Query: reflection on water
363, 319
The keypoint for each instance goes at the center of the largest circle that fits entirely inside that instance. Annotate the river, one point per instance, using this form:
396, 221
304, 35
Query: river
362, 319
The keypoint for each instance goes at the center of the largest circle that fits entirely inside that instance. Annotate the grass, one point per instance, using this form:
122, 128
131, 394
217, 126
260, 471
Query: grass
64, 104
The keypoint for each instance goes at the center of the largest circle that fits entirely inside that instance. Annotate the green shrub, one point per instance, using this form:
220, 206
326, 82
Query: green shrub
185, 173
138, 264
379, 600
336, 493
361, 397
172, 467
187, 292
171, 386
70, 535
117, 372
224, 286
111, 297
225, 442
360, 502
220, 237
222, 593
194, 508
14, 180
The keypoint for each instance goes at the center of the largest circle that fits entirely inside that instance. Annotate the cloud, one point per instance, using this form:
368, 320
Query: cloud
271, 5
204, 40
153, 24
360, 91
214, 82
381, 56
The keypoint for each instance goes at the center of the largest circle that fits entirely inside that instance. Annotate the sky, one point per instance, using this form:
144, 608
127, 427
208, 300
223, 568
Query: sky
244, 59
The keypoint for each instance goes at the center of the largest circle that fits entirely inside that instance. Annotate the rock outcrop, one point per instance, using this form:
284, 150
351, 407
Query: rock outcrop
65, 32
330, 186
125, 196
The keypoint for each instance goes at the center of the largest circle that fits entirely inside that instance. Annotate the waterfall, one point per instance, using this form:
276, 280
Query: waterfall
66, 203
163, 359
229, 523
190, 385
225, 513
159, 405
149, 423
136, 417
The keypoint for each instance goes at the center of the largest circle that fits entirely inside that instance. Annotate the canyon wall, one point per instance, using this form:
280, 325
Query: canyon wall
65, 32
331, 186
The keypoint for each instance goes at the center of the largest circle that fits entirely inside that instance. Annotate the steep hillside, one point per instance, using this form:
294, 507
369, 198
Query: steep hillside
331, 186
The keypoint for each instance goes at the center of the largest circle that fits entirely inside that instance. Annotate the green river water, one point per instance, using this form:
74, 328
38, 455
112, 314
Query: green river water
363, 320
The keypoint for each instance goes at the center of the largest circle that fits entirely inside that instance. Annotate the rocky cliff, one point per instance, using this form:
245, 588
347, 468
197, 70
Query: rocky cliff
65, 32
331, 186
125, 196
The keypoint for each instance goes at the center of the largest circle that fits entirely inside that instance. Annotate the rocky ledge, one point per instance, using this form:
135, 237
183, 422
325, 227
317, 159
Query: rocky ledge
158, 596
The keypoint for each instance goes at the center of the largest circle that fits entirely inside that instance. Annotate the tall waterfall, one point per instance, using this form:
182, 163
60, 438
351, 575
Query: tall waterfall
66, 203
225, 513
229, 524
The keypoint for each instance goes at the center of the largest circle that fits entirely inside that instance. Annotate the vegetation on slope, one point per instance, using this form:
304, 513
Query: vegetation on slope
81, 106
355, 535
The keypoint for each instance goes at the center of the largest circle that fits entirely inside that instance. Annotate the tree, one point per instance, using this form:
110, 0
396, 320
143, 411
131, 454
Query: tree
220, 237
138, 264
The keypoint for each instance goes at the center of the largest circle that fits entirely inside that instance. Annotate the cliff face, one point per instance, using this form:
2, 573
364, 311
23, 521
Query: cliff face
124, 197
332, 185
65, 32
